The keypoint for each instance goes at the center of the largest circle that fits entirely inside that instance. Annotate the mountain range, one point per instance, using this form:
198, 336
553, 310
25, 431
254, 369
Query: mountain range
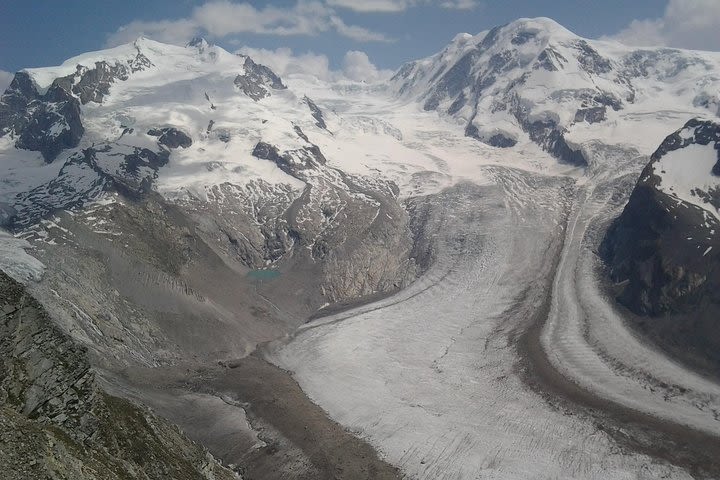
184, 221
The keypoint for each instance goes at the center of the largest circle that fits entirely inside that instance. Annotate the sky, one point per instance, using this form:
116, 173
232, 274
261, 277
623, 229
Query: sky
360, 39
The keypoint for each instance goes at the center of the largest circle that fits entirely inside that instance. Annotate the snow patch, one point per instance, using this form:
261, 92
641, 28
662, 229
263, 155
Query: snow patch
687, 171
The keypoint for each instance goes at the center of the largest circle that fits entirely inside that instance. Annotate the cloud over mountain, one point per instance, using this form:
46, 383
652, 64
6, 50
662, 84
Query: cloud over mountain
223, 18
693, 24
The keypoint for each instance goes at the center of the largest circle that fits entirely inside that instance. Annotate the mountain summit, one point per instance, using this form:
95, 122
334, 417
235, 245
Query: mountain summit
532, 79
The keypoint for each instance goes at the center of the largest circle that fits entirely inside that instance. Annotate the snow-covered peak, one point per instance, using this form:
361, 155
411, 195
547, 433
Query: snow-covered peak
686, 167
113, 118
528, 36
538, 31
534, 80
462, 37
198, 42
542, 25
143, 54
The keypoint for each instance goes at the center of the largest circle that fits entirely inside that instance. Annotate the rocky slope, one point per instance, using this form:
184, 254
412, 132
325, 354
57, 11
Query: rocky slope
58, 423
663, 250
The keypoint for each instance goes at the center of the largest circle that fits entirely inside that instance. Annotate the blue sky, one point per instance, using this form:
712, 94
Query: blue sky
44, 32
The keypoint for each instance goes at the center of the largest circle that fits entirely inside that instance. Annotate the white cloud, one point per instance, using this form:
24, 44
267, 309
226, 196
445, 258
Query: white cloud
373, 5
356, 33
693, 24
221, 18
460, 4
5, 79
358, 67
393, 6
283, 61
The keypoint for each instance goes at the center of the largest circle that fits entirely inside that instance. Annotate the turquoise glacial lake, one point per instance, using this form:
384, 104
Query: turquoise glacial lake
263, 274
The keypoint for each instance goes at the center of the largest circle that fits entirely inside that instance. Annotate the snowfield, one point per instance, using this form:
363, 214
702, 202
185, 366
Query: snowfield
684, 171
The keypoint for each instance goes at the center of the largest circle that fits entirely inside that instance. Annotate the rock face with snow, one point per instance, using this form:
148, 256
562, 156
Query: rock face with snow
663, 249
47, 123
316, 113
534, 80
258, 80
171, 137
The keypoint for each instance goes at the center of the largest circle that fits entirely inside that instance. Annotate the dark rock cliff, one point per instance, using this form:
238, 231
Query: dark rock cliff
662, 256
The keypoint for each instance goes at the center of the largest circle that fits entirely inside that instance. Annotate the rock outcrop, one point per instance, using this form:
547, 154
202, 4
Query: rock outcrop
258, 80
171, 137
47, 123
85, 175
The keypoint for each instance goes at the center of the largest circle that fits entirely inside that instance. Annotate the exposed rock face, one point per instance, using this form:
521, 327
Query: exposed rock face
663, 250
47, 123
130, 169
292, 161
591, 114
356, 231
56, 421
258, 80
78, 181
84, 176
316, 113
550, 137
495, 139
93, 84
171, 137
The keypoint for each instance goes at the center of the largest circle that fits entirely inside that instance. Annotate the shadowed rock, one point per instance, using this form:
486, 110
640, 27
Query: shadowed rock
47, 123
171, 137
292, 162
315, 112
258, 80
